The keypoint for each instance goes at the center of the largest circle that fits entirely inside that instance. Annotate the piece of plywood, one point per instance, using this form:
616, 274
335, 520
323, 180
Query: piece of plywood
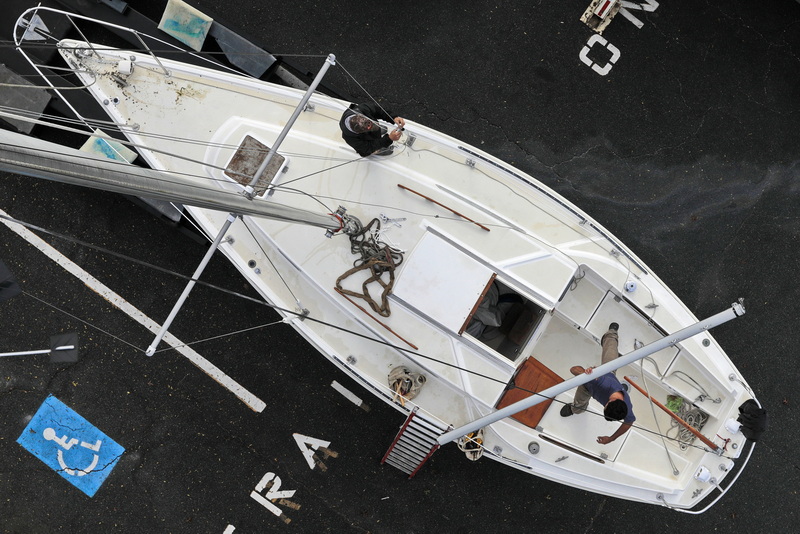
185, 23
533, 376
441, 281
248, 159
102, 145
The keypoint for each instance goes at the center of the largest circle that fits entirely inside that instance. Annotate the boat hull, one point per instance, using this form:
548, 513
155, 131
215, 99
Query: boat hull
465, 223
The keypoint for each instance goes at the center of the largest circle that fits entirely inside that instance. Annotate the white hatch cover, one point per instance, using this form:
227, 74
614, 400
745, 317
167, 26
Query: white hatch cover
442, 282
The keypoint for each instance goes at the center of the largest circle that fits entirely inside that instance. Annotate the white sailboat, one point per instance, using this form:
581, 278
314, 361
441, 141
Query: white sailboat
487, 286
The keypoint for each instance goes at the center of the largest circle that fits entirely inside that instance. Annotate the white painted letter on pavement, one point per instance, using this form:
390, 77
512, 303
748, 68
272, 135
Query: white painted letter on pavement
272, 493
308, 446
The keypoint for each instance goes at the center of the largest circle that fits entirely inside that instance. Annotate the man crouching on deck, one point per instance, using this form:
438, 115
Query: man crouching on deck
361, 130
605, 389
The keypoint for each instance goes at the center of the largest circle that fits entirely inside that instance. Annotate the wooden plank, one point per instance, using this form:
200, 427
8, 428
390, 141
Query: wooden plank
246, 161
477, 304
532, 376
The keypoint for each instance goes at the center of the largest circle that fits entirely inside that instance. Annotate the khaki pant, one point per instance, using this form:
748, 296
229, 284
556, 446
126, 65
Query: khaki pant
610, 344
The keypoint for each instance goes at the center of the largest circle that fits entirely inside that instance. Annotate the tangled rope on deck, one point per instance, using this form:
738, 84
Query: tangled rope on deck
695, 417
377, 257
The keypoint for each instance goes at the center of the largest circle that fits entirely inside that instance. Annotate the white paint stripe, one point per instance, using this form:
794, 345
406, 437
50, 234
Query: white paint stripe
649, 5
346, 393
229, 529
92, 283
631, 17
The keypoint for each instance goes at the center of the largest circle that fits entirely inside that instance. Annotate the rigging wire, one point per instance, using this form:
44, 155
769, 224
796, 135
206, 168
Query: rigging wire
31, 116
90, 325
232, 293
675, 470
117, 127
348, 162
279, 187
339, 63
198, 187
362, 87
284, 311
220, 336
283, 185
258, 327
5, 43
48, 87
274, 268
122, 164
310, 318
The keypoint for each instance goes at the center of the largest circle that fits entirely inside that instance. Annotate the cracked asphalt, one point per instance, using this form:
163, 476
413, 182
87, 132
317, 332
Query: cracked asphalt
686, 150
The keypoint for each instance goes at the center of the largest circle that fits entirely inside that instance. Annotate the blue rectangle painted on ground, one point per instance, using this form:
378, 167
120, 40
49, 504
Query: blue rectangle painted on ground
71, 446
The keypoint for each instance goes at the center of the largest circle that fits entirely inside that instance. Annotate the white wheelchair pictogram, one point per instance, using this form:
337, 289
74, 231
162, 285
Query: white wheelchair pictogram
66, 442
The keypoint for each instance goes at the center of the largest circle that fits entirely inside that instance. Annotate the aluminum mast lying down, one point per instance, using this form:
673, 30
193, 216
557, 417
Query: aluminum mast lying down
41, 159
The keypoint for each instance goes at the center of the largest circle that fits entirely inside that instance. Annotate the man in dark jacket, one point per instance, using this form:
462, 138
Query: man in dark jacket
361, 130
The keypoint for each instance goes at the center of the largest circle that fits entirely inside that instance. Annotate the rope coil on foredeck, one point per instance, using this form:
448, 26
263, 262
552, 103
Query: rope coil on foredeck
377, 257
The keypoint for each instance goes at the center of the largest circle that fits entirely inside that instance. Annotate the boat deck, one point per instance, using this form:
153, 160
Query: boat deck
567, 271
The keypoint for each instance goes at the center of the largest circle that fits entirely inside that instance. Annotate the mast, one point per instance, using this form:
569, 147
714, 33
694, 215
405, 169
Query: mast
34, 157
330, 60
736, 310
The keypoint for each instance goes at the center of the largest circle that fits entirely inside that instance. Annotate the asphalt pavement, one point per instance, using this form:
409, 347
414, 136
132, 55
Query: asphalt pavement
682, 141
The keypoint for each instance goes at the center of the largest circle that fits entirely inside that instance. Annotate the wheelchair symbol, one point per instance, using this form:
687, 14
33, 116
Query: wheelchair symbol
67, 443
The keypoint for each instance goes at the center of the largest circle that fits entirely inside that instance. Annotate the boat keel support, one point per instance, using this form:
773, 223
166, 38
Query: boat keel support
188, 289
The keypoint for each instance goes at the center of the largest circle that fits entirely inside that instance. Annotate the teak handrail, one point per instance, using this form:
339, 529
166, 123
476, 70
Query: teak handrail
443, 206
672, 414
354, 303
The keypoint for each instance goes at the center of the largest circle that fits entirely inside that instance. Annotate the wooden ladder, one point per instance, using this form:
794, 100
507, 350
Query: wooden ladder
414, 444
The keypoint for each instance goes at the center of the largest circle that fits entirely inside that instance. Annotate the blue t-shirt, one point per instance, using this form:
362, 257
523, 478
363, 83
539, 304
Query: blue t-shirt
603, 387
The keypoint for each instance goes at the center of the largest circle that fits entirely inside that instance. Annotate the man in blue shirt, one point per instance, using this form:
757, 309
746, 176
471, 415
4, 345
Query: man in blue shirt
605, 389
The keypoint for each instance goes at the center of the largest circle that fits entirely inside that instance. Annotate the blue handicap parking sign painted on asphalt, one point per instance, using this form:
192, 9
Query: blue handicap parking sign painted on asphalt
71, 445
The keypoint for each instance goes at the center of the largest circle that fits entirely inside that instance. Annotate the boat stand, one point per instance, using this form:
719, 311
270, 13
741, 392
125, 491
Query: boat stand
63, 349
